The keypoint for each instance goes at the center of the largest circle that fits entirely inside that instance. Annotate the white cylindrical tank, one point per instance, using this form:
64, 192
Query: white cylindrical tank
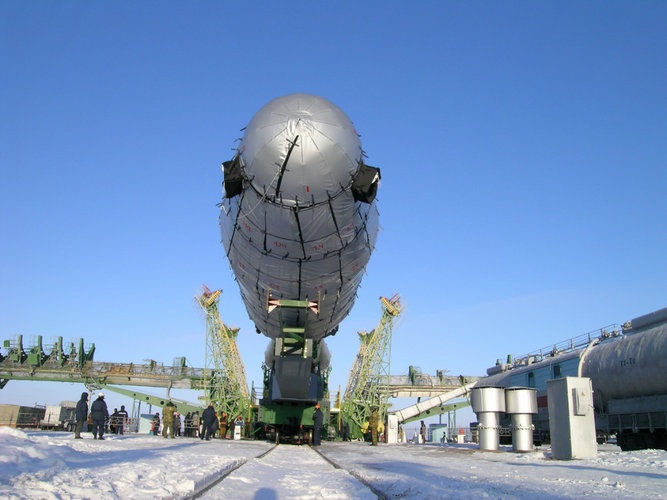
521, 404
488, 403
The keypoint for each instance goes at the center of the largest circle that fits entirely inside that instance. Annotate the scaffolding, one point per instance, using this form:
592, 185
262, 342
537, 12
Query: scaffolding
224, 373
366, 386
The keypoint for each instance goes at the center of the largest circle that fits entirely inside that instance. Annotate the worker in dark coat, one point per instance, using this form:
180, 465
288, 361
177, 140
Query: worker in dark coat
113, 419
155, 425
177, 424
346, 431
81, 415
318, 420
209, 419
100, 414
122, 419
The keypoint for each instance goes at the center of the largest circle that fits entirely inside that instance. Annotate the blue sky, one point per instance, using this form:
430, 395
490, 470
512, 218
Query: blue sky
523, 148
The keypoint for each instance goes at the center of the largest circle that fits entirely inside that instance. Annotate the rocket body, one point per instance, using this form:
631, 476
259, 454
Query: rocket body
298, 217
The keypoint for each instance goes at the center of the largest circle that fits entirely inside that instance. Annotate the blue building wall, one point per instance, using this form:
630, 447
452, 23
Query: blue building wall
538, 376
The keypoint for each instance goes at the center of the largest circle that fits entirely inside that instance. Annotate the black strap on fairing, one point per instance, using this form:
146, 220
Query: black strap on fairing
284, 165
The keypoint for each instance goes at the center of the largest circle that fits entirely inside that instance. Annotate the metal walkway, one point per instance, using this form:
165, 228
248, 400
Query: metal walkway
424, 407
419, 385
73, 362
147, 375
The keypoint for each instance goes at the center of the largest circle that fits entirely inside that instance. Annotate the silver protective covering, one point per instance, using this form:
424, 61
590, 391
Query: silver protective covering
323, 357
295, 229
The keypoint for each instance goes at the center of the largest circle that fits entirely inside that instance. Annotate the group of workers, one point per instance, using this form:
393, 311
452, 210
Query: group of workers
207, 426
212, 424
97, 419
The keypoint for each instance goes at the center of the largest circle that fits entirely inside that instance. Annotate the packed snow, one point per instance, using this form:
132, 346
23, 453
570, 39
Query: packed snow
52, 465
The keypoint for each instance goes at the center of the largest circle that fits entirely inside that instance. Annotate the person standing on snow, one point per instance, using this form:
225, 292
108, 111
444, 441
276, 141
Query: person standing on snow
155, 426
168, 420
100, 414
177, 424
112, 421
122, 420
318, 420
196, 421
81, 415
224, 423
373, 426
208, 418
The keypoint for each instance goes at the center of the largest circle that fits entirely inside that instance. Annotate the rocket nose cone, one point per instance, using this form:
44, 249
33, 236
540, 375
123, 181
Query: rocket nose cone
300, 147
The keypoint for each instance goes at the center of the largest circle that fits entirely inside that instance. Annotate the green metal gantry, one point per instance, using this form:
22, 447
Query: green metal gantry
56, 361
366, 383
224, 373
57, 356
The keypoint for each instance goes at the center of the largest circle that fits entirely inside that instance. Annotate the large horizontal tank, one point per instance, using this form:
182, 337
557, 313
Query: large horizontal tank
627, 371
633, 365
298, 218
628, 365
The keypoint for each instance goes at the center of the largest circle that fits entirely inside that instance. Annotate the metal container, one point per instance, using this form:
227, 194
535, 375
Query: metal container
629, 367
21, 416
488, 403
521, 404
520, 400
488, 399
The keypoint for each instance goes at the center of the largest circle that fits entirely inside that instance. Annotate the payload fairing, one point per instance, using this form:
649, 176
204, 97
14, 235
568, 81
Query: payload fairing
298, 217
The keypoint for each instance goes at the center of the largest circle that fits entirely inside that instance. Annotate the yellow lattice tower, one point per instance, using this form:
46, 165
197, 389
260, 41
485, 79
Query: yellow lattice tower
225, 377
371, 366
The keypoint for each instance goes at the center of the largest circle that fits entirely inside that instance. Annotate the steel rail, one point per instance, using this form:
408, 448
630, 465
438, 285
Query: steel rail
227, 472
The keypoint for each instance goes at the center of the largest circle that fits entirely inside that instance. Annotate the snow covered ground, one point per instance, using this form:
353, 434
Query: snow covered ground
462, 471
50, 465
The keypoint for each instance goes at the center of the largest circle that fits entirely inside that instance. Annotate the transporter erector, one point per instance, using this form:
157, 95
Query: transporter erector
299, 223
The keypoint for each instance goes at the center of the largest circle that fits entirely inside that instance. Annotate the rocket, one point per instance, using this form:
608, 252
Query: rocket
298, 216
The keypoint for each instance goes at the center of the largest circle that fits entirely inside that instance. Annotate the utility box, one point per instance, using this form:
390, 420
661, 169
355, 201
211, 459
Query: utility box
571, 419
392, 429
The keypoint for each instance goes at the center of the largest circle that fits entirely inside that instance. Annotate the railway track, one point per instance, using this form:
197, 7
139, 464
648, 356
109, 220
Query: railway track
357, 476
287, 471
211, 486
